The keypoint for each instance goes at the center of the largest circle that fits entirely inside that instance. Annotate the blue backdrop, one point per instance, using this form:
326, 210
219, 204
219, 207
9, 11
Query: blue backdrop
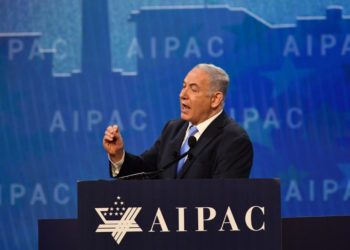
70, 68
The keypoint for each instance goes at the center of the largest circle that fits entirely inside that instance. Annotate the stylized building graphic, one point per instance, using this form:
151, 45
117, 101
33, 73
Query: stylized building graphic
290, 85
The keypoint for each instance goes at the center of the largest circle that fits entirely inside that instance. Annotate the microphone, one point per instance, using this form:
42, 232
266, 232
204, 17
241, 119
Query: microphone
192, 141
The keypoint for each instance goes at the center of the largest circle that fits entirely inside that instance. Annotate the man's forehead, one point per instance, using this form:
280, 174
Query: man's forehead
196, 76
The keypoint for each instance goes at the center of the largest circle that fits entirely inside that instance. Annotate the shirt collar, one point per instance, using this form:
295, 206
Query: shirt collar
203, 125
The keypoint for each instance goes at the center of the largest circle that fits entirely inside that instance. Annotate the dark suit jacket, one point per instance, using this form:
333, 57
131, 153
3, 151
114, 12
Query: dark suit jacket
224, 150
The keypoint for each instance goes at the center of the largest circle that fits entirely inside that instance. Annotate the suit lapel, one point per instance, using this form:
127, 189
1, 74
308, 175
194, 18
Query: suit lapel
212, 131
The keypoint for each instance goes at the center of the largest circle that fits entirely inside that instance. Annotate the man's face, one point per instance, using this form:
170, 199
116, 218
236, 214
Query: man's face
195, 98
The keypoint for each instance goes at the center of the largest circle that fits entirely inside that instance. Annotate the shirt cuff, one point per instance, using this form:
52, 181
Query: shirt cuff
116, 166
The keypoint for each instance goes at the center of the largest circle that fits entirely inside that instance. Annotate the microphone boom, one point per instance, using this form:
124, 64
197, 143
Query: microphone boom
192, 141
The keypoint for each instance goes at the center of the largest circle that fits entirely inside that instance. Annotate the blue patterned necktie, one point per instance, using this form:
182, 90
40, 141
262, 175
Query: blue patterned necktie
184, 148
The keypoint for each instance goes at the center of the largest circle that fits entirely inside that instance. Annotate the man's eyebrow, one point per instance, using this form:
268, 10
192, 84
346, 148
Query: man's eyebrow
190, 83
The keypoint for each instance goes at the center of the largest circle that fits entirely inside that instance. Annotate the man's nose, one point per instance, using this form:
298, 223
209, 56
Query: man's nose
183, 93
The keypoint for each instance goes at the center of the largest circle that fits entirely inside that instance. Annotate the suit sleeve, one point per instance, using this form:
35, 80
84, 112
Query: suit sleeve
146, 162
234, 158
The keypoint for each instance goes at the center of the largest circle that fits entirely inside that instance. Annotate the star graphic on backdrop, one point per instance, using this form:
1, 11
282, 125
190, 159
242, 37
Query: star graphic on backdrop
345, 170
259, 135
292, 173
284, 77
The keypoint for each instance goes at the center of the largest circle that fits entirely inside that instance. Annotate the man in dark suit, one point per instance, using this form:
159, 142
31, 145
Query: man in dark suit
223, 148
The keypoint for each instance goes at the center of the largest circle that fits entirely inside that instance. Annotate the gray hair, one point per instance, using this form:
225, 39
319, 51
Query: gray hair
219, 79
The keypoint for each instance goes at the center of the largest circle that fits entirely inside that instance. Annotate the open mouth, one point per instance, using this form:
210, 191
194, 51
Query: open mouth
184, 107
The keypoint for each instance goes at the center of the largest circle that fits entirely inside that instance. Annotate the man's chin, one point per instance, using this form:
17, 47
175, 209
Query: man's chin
185, 117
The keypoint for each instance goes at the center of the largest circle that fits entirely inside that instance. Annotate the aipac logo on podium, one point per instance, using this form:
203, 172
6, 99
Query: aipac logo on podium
118, 220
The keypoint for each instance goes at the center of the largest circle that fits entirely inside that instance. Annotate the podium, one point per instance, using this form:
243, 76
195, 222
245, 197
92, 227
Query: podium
169, 215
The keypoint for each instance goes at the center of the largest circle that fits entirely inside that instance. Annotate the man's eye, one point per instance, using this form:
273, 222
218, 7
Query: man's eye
194, 88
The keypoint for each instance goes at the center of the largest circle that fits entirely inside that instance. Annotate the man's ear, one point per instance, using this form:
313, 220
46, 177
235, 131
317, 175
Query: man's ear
217, 99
